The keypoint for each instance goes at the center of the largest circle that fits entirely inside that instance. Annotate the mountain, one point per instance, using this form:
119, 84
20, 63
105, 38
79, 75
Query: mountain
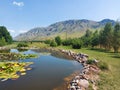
69, 28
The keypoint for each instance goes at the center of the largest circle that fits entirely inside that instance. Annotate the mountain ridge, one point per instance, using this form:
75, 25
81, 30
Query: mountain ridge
73, 28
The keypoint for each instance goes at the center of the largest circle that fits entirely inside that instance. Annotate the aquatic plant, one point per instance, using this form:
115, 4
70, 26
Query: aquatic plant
13, 70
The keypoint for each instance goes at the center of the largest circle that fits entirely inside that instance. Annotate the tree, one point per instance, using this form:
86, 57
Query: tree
4, 33
106, 36
87, 38
95, 39
58, 40
2, 41
116, 37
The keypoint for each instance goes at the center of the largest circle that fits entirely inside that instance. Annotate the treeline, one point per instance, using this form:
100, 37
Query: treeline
5, 37
108, 38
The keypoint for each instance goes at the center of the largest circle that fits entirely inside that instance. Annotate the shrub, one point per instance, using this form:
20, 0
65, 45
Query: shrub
90, 61
22, 45
2, 41
67, 42
53, 44
47, 41
103, 65
76, 43
58, 40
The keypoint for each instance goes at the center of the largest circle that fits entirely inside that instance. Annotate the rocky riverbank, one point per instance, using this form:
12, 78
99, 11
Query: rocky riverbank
88, 76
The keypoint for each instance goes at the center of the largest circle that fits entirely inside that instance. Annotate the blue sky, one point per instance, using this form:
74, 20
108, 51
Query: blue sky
21, 15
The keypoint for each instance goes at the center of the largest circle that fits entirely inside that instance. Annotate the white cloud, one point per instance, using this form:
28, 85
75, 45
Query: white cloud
23, 31
16, 32
12, 31
19, 4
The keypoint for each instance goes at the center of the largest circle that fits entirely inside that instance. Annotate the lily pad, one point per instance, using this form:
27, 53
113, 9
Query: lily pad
13, 70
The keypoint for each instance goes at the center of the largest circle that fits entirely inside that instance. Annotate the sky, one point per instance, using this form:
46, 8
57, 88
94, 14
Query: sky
19, 16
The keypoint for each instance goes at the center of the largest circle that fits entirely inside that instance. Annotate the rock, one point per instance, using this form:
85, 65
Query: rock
95, 61
77, 77
77, 81
72, 88
83, 83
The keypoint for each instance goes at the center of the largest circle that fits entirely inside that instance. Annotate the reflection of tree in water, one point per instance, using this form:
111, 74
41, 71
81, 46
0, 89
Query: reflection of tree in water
22, 50
60, 55
54, 53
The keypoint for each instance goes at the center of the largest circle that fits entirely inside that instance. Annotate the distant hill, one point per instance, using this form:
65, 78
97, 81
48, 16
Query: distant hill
73, 28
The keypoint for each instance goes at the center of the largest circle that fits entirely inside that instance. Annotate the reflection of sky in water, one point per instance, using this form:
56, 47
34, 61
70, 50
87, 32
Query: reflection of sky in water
14, 51
75, 63
47, 72
29, 52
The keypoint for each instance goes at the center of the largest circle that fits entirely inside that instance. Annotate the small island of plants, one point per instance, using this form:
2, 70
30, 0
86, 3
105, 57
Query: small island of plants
13, 70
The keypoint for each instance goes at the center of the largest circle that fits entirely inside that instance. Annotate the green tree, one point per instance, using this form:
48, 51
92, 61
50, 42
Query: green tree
2, 41
95, 39
106, 36
116, 37
58, 40
87, 38
4, 33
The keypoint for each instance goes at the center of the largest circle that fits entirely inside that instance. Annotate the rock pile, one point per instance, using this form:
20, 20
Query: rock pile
88, 74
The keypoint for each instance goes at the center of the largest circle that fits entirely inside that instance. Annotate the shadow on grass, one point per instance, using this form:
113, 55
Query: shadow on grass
115, 55
98, 50
112, 54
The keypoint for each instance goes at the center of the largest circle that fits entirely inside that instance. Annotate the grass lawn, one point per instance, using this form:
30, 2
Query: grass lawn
109, 80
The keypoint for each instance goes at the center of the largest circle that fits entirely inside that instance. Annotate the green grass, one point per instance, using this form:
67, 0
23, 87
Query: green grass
30, 45
38, 45
109, 80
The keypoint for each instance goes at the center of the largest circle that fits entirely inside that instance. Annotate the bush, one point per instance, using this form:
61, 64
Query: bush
67, 42
76, 46
103, 65
2, 41
22, 45
58, 40
53, 44
47, 41
90, 61
76, 43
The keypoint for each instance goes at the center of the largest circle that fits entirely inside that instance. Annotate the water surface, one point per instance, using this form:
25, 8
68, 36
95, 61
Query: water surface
47, 73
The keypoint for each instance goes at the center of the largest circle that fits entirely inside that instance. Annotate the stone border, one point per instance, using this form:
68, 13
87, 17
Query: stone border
89, 73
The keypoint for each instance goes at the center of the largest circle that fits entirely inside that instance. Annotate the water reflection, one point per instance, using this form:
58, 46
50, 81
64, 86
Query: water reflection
48, 72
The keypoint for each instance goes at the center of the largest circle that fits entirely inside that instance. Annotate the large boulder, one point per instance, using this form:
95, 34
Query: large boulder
83, 83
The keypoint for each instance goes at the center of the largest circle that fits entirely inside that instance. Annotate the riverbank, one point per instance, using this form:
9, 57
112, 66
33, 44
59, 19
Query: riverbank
89, 74
108, 79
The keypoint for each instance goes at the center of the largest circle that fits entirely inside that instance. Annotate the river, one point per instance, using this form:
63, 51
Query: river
48, 72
